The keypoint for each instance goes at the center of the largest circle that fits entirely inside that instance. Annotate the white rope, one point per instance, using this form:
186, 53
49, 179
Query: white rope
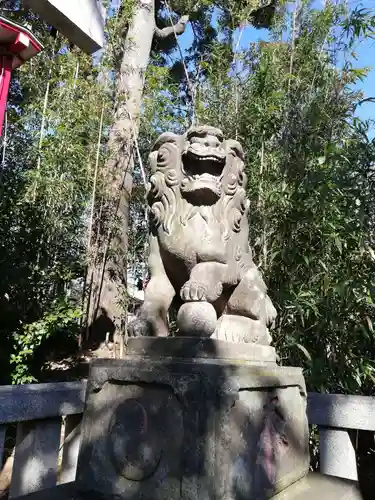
95, 180
143, 173
91, 223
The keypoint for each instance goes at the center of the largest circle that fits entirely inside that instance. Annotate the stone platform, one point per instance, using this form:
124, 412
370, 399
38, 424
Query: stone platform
196, 348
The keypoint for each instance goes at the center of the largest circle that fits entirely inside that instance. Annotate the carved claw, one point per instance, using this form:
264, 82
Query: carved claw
194, 291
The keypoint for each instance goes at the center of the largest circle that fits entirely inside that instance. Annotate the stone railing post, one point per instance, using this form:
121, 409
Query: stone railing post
337, 454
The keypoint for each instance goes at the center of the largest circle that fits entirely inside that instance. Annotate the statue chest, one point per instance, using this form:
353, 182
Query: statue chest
196, 241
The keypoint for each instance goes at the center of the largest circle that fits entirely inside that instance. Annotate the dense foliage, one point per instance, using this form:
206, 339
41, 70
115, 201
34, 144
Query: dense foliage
290, 100
49, 157
311, 170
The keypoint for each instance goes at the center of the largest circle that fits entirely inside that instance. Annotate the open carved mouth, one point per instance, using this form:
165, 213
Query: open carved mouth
202, 175
202, 163
205, 157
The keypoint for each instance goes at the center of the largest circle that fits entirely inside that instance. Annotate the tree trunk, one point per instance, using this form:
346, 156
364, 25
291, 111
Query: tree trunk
110, 280
108, 303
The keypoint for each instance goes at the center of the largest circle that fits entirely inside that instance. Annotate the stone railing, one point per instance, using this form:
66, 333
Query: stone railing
335, 415
48, 420
48, 431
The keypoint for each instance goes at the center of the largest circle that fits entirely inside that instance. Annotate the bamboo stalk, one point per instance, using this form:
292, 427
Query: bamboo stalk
42, 126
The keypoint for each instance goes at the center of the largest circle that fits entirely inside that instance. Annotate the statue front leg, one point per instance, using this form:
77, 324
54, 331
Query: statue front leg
250, 299
205, 283
151, 319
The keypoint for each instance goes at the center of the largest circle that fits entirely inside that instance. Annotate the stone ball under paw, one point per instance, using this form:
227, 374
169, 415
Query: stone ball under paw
139, 327
196, 319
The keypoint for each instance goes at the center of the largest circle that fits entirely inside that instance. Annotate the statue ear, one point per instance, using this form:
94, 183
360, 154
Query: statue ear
152, 160
235, 146
166, 137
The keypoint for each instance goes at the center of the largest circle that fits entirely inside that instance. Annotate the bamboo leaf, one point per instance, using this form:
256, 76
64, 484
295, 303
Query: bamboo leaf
304, 350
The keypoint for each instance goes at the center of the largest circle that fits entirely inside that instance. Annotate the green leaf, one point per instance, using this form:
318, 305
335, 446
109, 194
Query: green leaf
323, 265
371, 252
305, 351
338, 244
370, 325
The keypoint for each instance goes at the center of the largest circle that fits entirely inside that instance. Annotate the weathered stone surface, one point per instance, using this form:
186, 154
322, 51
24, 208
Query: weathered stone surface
200, 428
199, 248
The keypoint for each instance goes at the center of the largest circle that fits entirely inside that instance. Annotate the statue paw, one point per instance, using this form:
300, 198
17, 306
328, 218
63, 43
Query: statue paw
139, 327
194, 291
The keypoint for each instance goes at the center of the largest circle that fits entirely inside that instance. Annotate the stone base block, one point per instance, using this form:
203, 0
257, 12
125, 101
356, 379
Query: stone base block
211, 424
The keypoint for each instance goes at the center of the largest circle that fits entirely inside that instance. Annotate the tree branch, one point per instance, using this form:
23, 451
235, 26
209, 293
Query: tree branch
177, 29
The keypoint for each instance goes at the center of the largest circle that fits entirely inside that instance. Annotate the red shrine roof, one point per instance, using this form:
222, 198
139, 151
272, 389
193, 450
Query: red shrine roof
18, 41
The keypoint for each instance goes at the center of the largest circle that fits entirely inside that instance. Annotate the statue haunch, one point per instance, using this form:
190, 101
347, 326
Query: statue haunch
199, 252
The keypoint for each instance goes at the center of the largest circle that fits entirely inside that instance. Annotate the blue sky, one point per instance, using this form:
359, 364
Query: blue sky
365, 51
366, 57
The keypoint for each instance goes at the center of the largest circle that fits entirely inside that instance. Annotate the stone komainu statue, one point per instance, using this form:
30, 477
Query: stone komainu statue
200, 257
